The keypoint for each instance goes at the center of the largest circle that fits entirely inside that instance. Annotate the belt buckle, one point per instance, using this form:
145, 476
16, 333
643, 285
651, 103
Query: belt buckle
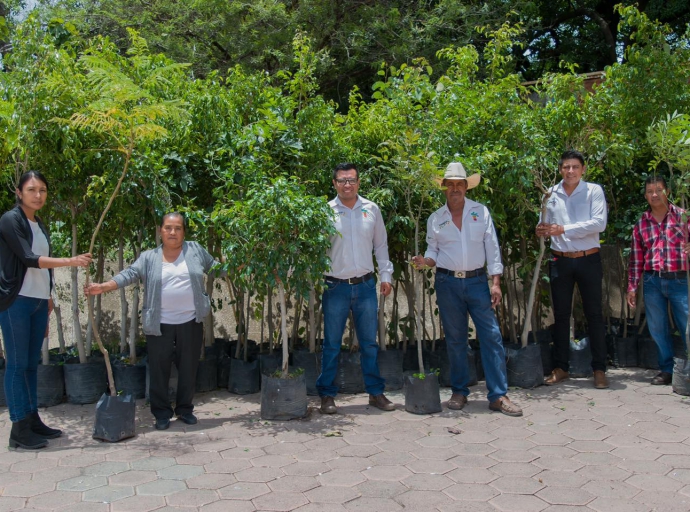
459, 274
349, 281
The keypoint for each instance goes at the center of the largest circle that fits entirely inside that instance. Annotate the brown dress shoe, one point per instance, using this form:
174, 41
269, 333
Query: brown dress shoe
663, 379
381, 402
457, 402
328, 405
557, 376
600, 380
505, 406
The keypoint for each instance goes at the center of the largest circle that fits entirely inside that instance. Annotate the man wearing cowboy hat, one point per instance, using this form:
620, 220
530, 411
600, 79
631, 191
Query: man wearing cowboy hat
462, 241
575, 216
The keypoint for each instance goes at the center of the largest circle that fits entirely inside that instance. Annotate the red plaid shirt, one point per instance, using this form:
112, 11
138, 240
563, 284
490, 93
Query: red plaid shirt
657, 247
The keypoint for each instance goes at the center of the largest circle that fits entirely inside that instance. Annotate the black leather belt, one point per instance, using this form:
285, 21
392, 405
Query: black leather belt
462, 274
667, 275
352, 280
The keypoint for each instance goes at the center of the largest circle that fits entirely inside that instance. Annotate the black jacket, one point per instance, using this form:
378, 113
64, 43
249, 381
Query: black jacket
16, 239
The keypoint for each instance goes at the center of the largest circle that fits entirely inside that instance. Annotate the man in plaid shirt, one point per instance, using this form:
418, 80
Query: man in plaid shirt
659, 256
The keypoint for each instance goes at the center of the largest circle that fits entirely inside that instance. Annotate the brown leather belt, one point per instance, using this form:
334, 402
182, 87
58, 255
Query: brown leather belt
576, 254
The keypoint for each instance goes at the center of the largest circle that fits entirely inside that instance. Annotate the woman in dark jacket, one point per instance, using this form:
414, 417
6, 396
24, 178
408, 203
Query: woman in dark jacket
26, 280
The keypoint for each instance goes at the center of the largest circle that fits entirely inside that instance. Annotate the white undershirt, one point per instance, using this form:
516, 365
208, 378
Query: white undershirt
177, 298
37, 280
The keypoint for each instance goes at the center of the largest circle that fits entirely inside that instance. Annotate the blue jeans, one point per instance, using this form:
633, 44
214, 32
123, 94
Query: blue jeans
456, 298
23, 329
338, 300
658, 293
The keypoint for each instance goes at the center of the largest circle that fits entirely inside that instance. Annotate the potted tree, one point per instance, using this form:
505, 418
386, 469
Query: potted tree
278, 237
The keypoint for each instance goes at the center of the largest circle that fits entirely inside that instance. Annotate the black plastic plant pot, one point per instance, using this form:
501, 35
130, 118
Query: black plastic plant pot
50, 387
245, 377
115, 417
130, 379
349, 378
223, 370
580, 358
422, 396
283, 399
269, 363
391, 368
625, 353
207, 373
84, 383
438, 359
681, 376
679, 349
524, 366
311, 366
647, 354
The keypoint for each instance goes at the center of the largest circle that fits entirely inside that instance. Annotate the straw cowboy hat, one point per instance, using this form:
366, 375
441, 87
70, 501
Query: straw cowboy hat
455, 171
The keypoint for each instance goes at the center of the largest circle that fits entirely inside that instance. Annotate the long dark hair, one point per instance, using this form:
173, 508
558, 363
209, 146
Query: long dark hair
26, 177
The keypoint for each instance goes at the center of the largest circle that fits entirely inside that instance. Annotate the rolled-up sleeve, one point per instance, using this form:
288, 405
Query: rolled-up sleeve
494, 264
431, 242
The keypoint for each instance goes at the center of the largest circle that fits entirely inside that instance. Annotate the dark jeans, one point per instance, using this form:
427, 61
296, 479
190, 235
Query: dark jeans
338, 300
587, 273
23, 329
182, 344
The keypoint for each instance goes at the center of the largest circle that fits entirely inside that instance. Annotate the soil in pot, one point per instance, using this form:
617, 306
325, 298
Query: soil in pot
311, 365
283, 399
422, 396
115, 417
681, 376
245, 377
580, 358
50, 385
391, 368
349, 378
524, 366
647, 355
207, 372
85, 383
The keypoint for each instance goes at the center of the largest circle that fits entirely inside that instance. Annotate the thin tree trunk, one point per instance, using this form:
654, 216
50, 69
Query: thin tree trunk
312, 319
134, 324
124, 305
58, 322
382, 323
283, 329
100, 270
74, 271
45, 354
246, 326
271, 329
511, 302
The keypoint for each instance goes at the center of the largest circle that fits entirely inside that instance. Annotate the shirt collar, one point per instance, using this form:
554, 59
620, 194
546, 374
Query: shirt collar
559, 188
358, 203
673, 211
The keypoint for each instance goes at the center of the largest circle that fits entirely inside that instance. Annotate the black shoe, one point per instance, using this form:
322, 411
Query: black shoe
163, 424
663, 379
22, 436
188, 418
40, 428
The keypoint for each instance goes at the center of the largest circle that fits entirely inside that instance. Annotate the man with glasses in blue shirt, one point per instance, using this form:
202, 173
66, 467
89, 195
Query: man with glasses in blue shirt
351, 286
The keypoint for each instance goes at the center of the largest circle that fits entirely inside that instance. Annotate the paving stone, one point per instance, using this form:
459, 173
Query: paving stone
380, 489
82, 460
242, 453
272, 461
473, 461
28, 489
341, 477
616, 505
180, 472
467, 506
427, 482
191, 498
259, 474
517, 485
138, 504
84, 506
293, 483
594, 459
664, 500
210, 481
306, 469
436, 467
611, 489
471, 476
387, 473
644, 466
682, 475
565, 496
391, 459
516, 468
368, 504
228, 466
476, 436
243, 491
229, 505
8, 504
107, 468
316, 456
49, 500
280, 500
358, 451
321, 507
160, 487
423, 500
512, 456
8, 478
552, 478
351, 463
471, 492
331, 494
109, 493
518, 503
32, 465
152, 463
656, 482
82, 483
198, 458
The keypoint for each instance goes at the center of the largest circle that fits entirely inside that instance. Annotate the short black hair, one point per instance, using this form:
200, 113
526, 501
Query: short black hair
655, 178
345, 166
570, 154
175, 214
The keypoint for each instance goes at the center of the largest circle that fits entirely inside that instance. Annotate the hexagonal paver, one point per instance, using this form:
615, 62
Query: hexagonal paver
198, 458
516, 468
180, 472
552, 478
306, 468
160, 487
368, 504
280, 500
138, 504
152, 463
471, 492
82, 460
391, 459
656, 482
611, 489
473, 461
293, 483
512, 456
106, 468
109, 493
227, 466
518, 502
615, 505
435, 467
48, 500
517, 485
351, 463
225, 505
8, 504
272, 461
425, 482
387, 473
258, 474
191, 498
133, 478
243, 491
211, 481
331, 494
565, 496
341, 477
380, 489
422, 500
32, 465
82, 483
471, 476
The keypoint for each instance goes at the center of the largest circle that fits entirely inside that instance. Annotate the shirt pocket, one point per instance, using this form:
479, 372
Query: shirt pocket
476, 231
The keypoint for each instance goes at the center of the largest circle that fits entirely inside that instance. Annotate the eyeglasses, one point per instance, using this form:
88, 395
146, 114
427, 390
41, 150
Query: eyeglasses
347, 181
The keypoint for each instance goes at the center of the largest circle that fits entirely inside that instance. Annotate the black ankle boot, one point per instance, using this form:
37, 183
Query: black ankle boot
22, 436
40, 428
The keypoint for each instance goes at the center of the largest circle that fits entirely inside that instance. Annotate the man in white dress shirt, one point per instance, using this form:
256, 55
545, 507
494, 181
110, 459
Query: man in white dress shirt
575, 216
461, 240
351, 286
